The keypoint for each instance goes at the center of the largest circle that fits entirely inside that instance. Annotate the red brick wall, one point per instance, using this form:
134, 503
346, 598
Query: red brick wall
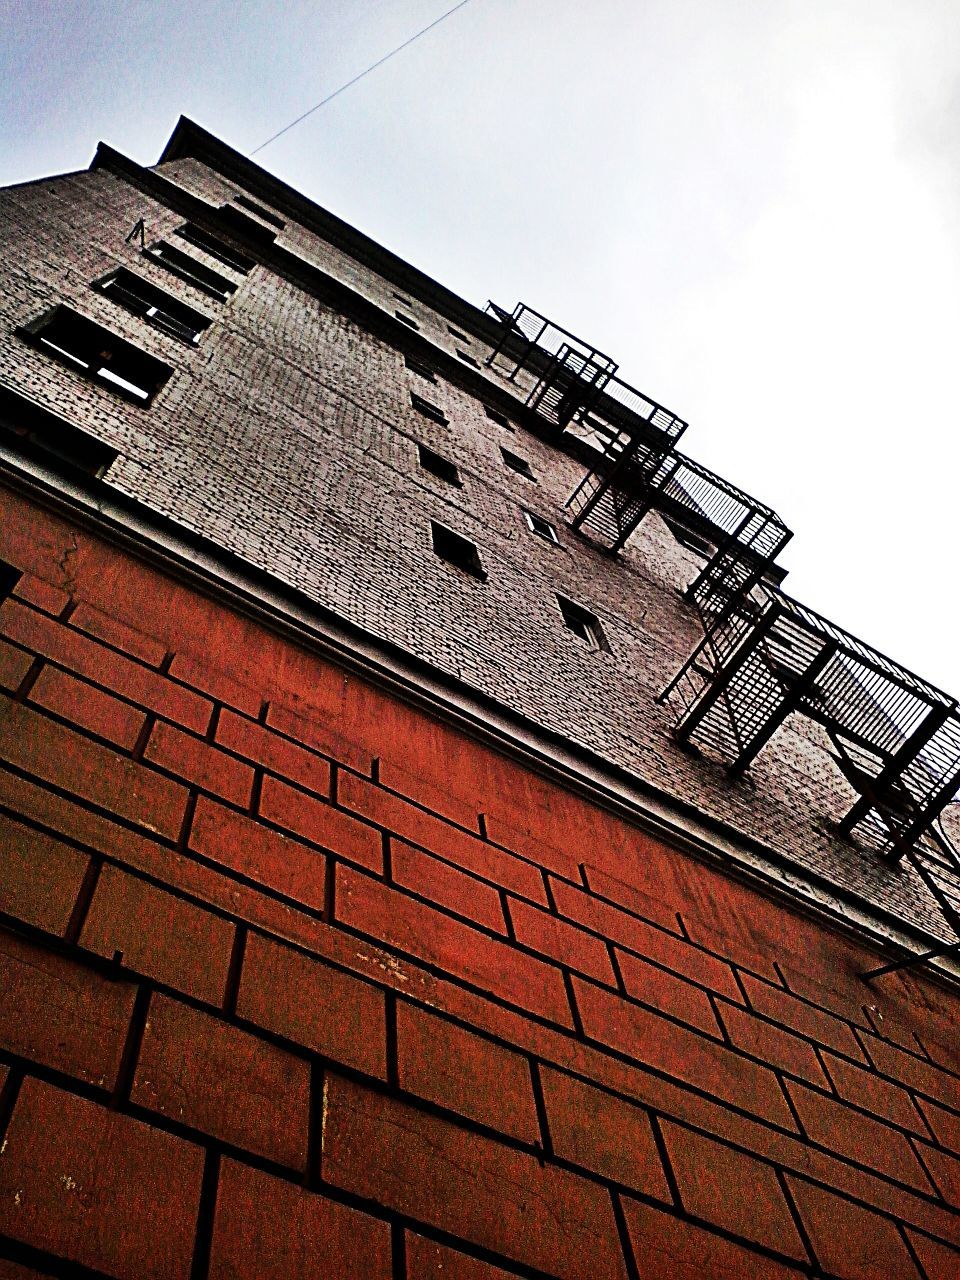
276, 1000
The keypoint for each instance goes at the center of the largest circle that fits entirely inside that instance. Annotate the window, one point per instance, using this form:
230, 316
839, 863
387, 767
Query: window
496, 416
218, 249
542, 528
400, 298
266, 215
407, 320
438, 465
88, 347
237, 220
431, 411
422, 370
460, 337
584, 624
189, 269
41, 434
457, 550
516, 463
467, 358
9, 577
154, 305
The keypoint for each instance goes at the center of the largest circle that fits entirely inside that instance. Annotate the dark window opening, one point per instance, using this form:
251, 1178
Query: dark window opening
457, 550
431, 411
692, 541
460, 337
400, 298
189, 269
216, 248
584, 624
9, 577
542, 528
239, 221
437, 465
516, 463
407, 320
154, 305
467, 358
101, 355
258, 210
41, 434
496, 416
422, 370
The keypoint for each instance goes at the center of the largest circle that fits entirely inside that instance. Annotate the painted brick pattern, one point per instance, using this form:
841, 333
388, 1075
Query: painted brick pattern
292, 1020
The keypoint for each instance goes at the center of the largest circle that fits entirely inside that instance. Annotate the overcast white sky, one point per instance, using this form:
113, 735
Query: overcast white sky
752, 205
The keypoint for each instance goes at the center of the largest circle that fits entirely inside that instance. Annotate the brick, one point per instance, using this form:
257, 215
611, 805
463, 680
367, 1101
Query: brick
857, 1137
268, 857
654, 944
655, 910
602, 1133
85, 657
215, 684
13, 1271
224, 1081
441, 838
665, 1246
165, 937
563, 942
112, 631
668, 994
864, 1088
269, 1229
848, 1240
446, 886
944, 1170
14, 665
256, 742
914, 1072
495, 1196
685, 1055
85, 705
322, 824
196, 761
58, 1012
57, 755
791, 1012
939, 1261
317, 1006
732, 1190
945, 1124
97, 1187
321, 731
42, 594
466, 1073
774, 1046
452, 946
39, 877
427, 1260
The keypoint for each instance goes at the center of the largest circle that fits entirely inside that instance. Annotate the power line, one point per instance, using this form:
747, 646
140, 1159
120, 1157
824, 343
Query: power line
373, 66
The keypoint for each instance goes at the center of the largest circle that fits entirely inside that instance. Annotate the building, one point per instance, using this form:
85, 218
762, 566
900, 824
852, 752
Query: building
434, 844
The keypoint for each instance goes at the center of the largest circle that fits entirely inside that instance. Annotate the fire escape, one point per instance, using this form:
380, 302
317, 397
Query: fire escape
763, 656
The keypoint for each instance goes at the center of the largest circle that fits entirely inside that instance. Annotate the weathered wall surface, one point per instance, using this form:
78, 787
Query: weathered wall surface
276, 1001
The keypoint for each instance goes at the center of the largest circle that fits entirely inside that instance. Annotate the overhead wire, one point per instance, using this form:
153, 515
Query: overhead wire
373, 66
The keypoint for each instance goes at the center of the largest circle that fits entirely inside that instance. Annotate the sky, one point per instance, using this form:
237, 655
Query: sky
751, 205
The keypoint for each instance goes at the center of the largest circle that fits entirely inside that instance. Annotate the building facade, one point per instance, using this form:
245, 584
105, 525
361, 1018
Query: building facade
434, 842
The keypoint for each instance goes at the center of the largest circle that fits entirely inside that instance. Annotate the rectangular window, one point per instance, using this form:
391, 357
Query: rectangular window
216, 248
422, 370
236, 220
467, 358
105, 358
9, 577
516, 463
400, 298
41, 434
407, 320
496, 416
431, 411
154, 305
542, 528
457, 550
460, 337
266, 215
584, 624
189, 269
437, 465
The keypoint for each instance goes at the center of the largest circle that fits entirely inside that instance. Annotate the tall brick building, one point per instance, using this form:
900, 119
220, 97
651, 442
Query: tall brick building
435, 845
